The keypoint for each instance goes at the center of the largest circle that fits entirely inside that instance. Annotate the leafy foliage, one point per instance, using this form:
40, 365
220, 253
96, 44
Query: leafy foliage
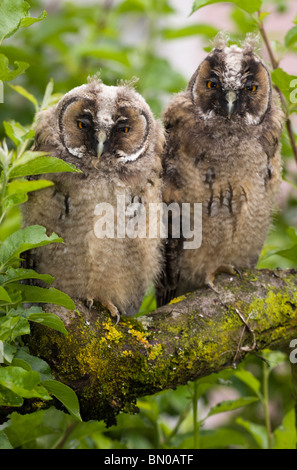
64, 46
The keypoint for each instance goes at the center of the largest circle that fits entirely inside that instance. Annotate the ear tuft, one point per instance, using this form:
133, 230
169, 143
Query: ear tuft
221, 40
252, 42
94, 78
128, 83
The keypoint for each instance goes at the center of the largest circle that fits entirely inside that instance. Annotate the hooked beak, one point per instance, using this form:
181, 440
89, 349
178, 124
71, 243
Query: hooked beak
101, 140
231, 99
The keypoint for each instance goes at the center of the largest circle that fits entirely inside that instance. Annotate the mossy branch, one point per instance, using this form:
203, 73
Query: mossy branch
110, 366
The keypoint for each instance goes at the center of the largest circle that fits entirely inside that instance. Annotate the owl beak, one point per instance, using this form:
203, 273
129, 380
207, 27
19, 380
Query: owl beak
101, 140
231, 99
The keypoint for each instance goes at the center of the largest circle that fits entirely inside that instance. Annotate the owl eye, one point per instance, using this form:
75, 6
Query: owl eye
212, 84
82, 125
250, 88
124, 129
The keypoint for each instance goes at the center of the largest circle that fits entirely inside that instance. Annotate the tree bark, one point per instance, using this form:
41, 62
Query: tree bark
110, 366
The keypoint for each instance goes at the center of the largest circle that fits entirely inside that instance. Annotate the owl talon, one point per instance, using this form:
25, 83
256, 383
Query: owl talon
224, 268
228, 269
211, 286
112, 310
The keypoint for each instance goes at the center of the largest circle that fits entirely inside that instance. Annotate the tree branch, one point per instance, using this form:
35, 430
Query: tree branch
110, 366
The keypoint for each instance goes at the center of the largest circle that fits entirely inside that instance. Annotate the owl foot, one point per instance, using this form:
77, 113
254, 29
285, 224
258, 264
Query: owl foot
224, 268
109, 305
229, 269
112, 310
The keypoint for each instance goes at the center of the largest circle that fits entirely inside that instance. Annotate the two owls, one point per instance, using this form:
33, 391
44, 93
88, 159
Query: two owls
222, 150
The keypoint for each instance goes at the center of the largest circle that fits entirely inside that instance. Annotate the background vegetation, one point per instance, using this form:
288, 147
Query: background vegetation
45, 54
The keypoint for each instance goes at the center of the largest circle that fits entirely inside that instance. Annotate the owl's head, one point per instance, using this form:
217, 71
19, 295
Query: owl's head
232, 83
96, 122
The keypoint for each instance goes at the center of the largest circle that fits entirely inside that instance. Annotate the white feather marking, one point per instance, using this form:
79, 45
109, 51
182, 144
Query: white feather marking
250, 119
205, 116
77, 151
109, 95
130, 158
232, 76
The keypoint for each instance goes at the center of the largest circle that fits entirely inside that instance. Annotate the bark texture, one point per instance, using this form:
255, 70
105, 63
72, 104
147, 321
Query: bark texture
110, 366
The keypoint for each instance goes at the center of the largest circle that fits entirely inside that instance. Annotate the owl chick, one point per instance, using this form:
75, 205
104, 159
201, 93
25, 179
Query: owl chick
223, 151
110, 134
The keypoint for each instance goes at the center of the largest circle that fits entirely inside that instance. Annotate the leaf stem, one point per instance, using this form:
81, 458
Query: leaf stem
195, 416
266, 372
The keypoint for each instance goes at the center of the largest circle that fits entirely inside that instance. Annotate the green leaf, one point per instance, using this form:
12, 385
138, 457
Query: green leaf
25, 239
230, 405
48, 319
4, 442
11, 14
16, 132
290, 253
18, 274
14, 200
9, 398
191, 30
283, 81
37, 364
145, 6
47, 95
39, 295
23, 186
4, 295
249, 379
24, 383
28, 20
258, 432
285, 435
104, 53
6, 73
42, 429
65, 395
250, 6
17, 362
11, 327
31, 163
291, 37
8, 352
21, 90
221, 438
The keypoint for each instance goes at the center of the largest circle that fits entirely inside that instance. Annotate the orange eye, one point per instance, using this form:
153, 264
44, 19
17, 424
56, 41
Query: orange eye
81, 125
251, 88
123, 129
212, 84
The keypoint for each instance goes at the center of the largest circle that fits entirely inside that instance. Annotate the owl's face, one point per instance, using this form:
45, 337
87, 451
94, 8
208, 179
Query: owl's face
102, 122
232, 83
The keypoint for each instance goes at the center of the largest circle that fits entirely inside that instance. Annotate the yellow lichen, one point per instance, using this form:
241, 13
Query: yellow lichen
140, 336
155, 351
177, 299
112, 334
127, 353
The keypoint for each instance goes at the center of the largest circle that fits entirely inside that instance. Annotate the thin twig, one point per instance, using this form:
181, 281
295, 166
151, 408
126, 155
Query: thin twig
275, 64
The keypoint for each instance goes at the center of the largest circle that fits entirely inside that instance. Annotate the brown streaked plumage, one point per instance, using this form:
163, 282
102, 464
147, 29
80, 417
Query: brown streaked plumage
116, 124
222, 150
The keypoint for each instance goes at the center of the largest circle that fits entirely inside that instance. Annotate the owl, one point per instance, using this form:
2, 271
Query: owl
222, 152
110, 134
